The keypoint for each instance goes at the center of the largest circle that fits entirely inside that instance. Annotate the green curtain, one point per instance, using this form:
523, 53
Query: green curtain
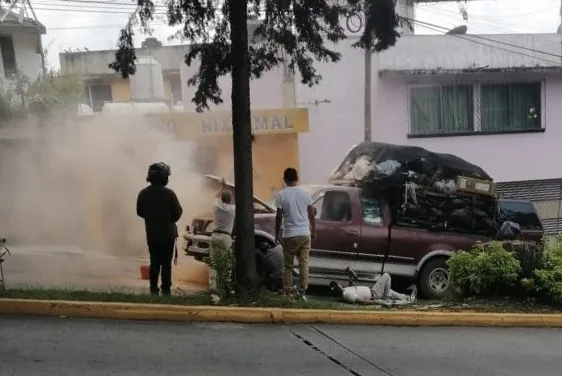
457, 109
495, 108
425, 109
441, 109
525, 104
511, 107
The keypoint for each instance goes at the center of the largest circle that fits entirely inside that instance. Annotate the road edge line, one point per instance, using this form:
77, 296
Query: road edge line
161, 312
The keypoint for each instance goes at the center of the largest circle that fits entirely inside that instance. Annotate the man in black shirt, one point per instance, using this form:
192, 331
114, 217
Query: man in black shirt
160, 209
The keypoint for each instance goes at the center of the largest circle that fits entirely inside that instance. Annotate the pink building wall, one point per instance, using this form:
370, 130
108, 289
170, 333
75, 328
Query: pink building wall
506, 157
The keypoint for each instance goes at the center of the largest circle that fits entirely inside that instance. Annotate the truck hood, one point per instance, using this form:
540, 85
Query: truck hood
216, 184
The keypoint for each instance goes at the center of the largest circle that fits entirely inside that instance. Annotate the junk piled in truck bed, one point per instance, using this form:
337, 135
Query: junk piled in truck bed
439, 192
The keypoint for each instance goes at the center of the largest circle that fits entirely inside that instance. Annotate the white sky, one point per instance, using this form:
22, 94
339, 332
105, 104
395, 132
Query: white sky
94, 24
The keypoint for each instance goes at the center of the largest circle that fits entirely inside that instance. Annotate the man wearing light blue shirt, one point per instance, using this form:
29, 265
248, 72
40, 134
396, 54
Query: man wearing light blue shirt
296, 213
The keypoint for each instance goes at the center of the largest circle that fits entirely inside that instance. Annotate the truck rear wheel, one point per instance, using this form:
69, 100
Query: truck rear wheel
434, 279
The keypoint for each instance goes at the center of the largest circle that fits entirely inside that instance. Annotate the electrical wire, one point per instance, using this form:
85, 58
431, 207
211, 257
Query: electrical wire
85, 6
452, 14
96, 27
92, 11
555, 63
545, 5
475, 36
92, 3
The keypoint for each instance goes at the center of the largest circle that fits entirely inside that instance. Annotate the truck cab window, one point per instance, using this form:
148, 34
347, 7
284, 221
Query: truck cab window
318, 206
336, 207
521, 212
371, 210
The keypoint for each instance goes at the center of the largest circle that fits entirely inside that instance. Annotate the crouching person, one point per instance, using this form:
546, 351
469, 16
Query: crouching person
365, 295
270, 267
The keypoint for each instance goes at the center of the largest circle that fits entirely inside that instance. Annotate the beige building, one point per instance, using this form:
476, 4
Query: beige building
103, 85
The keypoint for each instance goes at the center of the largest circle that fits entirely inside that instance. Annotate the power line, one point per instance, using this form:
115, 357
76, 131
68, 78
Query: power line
441, 29
542, 7
92, 3
430, 26
93, 11
556, 63
452, 14
94, 27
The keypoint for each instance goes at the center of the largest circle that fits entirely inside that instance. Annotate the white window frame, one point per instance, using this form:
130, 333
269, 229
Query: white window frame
476, 105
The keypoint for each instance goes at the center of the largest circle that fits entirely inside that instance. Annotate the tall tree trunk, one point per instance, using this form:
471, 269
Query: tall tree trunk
242, 140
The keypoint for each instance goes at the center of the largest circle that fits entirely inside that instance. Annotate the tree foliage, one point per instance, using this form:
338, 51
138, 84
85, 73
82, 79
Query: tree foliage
52, 91
55, 91
294, 31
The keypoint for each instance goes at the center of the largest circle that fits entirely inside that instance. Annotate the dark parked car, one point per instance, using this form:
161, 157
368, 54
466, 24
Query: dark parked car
354, 230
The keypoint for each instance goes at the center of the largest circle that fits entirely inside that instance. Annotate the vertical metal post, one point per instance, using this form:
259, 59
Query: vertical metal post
368, 104
91, 97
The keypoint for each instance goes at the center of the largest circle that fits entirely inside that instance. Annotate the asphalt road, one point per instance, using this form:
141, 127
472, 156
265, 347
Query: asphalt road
31, 346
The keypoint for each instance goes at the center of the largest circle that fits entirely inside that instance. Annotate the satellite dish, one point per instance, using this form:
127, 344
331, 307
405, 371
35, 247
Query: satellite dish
457, 30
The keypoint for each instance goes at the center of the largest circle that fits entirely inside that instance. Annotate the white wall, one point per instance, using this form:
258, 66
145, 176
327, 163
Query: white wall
265, 93
28, 60
334, 126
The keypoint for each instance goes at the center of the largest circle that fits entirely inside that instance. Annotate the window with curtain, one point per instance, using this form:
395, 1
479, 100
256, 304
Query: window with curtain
441, 109
511, 107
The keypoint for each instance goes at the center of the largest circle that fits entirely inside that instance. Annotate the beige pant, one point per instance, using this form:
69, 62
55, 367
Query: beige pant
220, 244
299, 247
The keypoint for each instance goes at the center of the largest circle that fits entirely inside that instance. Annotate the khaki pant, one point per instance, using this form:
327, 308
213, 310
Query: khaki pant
299, 247
221, 244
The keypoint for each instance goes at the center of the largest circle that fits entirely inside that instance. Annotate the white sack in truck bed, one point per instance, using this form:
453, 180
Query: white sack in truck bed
421, 187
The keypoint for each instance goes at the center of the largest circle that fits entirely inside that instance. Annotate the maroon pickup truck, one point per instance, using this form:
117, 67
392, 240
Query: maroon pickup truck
353, 230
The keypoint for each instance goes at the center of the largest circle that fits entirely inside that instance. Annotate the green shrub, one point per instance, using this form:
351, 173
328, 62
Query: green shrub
222, 262
529, 254
546, 282
487, 270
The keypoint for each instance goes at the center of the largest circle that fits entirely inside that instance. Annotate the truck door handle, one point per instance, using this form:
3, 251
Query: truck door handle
351, 233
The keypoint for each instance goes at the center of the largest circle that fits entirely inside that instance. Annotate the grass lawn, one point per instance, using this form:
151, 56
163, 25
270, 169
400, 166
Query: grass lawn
267, 299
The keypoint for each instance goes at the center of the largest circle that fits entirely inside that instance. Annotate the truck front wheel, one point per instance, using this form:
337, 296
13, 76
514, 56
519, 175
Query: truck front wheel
434, 279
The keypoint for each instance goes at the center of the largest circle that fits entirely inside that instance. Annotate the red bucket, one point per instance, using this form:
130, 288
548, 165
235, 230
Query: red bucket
145, 272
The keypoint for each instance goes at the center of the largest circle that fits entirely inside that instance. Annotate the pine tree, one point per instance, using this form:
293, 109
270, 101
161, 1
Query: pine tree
296, 32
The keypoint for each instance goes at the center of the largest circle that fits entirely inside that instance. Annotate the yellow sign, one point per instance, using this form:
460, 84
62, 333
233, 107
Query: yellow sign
189, 125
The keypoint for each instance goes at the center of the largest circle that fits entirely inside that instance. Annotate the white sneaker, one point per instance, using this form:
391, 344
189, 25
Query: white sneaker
414, 295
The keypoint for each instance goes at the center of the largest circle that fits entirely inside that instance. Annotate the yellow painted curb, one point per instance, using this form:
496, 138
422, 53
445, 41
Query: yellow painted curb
131, 311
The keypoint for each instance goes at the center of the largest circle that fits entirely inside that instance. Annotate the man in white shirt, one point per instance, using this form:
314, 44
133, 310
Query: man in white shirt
224, 211
370, 295
295, 212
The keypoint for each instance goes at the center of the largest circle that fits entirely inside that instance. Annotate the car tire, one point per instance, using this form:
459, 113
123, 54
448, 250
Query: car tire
434, 279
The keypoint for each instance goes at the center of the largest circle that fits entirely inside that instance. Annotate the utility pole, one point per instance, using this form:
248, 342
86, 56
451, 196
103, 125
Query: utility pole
368, 104
355, 23
560, 31
368, 81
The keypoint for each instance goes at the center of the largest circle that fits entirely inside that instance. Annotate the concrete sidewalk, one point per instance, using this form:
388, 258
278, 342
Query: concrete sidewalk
63, 267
